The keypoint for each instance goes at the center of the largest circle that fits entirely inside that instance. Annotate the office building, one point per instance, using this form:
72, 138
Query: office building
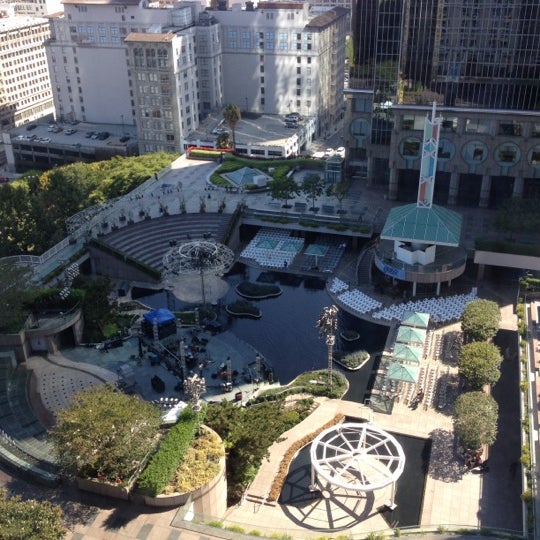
37, 8
284, 57
25, 89
479, 61
164, 70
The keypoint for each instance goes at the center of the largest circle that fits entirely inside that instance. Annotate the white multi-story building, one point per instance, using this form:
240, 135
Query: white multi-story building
284, 57
164, 69
25, 89
37, 8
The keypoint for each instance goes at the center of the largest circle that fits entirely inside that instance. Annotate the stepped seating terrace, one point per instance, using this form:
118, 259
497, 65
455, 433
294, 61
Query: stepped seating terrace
23, 443
148, 241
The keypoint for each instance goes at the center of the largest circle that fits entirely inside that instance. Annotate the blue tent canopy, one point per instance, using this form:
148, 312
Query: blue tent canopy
160, 315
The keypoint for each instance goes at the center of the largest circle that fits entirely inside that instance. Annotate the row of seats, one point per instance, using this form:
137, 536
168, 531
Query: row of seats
441, 309
358, 301
336, 285
281, 251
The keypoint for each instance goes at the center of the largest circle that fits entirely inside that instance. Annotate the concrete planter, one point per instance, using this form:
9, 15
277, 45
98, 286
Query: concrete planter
208, 499
104, 488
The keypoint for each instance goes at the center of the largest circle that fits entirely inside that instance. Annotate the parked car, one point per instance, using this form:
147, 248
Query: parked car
294, 117
219, 131
70, 131
89, 134
125, 138
102, 135
30, 127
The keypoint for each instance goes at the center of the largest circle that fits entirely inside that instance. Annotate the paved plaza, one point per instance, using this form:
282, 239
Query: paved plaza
452, 496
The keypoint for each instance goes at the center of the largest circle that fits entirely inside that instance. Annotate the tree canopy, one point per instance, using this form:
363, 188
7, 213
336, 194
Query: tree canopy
480, 320
31, 520
479, 363
283, 189
247, 433
518, 215
232, 116
16, 290
34, 208
338, 190
312, 187
475, 419
105, 434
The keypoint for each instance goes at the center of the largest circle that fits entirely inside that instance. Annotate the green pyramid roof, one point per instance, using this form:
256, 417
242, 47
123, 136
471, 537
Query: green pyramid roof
407, 353
415, 319
435, 225
408, 334
399, 372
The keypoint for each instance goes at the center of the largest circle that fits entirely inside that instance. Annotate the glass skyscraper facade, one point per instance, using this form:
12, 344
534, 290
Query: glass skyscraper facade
479, 60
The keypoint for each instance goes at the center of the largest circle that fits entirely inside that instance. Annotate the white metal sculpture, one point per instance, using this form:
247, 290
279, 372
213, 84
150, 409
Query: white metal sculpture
357, 457
203, 257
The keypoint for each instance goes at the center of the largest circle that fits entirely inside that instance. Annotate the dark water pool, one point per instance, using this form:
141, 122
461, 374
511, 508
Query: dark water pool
286, 334
409, 487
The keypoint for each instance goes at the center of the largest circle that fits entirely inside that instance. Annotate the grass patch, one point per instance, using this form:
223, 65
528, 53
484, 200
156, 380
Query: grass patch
257, 290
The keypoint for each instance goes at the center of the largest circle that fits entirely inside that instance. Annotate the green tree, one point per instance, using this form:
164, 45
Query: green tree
34, 209
223, 140
31, 520
339, 191
518, 215
475, 419
232, 116
480, 320
283, 189
105, 433
312, 187
247, 433
16, 290
479, 363
97, 310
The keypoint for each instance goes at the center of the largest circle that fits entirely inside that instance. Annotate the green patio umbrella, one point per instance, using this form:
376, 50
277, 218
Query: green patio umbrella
415, 319
407, 353
401, 372
408, 334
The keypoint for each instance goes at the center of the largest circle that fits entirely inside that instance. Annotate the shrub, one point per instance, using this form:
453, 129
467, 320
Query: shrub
243, 307
170, 453
355, 359
257, 290
199, 464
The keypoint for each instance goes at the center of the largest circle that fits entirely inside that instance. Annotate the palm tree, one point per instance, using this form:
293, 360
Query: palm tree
327, 324
232, 115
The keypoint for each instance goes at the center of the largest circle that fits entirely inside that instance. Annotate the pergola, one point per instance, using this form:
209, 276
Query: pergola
357, 457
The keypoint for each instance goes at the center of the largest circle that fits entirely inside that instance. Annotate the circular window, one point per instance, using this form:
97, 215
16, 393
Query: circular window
410, 147
507, 154
475, 152
533, 157
447, 149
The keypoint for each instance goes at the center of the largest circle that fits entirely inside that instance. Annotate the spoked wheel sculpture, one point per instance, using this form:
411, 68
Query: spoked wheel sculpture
193, 270
358, 457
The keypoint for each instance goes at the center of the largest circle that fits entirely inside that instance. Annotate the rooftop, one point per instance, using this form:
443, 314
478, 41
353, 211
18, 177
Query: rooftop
435, 225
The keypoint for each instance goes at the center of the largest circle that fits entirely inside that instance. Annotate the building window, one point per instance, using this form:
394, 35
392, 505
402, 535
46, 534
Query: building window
476, 125
510, 128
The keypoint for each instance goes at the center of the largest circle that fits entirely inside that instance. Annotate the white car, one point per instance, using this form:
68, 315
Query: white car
219, 131
341, 151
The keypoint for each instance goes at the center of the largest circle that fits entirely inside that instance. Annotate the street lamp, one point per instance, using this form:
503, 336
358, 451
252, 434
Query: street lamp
327, 324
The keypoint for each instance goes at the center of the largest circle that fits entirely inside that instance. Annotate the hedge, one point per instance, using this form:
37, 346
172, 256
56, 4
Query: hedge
169, 455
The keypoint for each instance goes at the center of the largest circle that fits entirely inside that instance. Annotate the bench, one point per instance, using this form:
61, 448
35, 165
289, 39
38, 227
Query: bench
328, 209
300, 206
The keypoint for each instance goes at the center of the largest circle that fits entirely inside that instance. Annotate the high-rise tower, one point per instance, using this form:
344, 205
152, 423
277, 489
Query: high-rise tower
479, 62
